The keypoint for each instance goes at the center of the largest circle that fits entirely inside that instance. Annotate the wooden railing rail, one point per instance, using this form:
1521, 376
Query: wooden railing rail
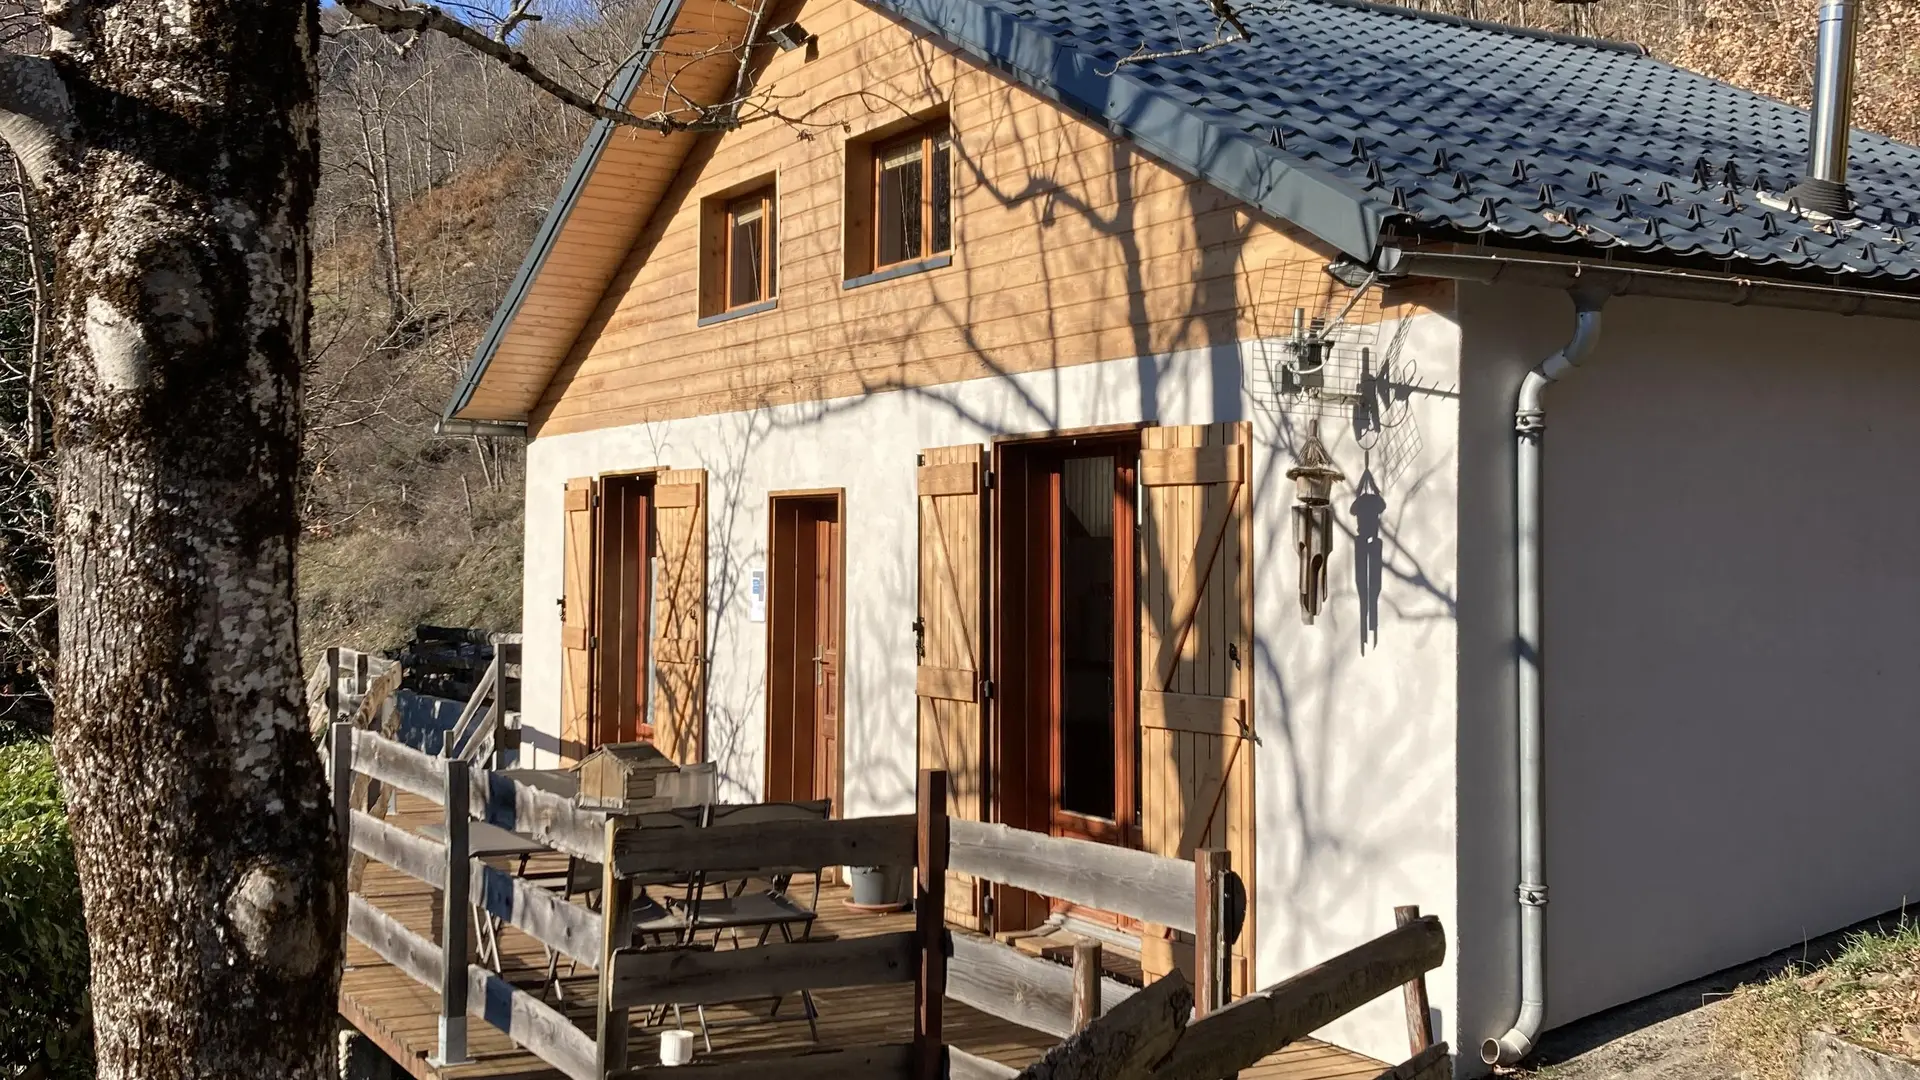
1151, 888
1192, 897
1150, 1037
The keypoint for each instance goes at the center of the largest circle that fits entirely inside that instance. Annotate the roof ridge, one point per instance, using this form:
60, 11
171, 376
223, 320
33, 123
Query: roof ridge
1628, 47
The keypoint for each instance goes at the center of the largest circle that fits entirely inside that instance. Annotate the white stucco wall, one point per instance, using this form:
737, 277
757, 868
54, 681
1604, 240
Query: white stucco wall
1354, 774
1732, 603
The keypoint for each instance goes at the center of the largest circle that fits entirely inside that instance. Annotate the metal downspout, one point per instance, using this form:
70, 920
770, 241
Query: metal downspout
1529, 426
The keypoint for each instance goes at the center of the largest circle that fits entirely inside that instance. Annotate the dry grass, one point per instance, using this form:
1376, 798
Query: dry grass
1869, 993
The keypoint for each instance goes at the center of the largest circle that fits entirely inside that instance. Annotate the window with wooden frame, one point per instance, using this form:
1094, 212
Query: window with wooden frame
899, 199
739, 251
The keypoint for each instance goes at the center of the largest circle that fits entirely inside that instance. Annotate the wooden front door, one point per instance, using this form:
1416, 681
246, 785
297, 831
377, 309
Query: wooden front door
805, 616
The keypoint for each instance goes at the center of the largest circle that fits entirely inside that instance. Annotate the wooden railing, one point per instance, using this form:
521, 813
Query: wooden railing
467, 793
1159, 1033
1187, 896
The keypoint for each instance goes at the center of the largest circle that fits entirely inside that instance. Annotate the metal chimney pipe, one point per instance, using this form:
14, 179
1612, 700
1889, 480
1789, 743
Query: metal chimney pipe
1824, 188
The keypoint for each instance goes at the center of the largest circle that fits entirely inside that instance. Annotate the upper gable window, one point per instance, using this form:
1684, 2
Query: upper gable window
913, 197
899, 200
738, 251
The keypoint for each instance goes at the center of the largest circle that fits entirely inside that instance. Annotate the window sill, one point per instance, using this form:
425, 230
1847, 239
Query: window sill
918, 266
740, 312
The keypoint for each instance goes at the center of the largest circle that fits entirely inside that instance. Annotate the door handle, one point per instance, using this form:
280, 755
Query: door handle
819, 666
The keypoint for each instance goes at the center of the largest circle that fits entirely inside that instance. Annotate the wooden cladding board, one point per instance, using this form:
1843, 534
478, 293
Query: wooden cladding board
1137, 884
767, 846
699, 976
1196, 619
1124, 256
952, 624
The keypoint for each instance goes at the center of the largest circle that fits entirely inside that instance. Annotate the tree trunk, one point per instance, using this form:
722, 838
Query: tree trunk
181, 183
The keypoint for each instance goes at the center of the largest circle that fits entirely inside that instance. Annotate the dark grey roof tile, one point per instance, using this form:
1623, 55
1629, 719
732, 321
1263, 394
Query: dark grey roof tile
1343, 116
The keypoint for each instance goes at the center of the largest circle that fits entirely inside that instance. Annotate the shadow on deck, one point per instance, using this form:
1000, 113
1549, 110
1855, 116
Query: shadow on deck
400, 1015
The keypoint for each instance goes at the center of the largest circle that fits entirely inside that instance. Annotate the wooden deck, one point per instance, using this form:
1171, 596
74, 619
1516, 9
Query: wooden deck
400, 1015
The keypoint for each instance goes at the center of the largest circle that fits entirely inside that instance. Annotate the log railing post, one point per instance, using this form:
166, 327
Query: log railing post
361, 682
1086, 983
616, 897
333, 684
930, 924
1419, 1016
455, 917
1212, 956
340, 766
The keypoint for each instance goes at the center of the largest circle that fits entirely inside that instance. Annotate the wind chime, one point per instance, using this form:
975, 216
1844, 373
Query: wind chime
1313, 481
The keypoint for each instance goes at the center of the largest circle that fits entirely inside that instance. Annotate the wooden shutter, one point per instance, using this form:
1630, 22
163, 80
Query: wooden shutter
576, 619
679, 711
1196, 616
952, 642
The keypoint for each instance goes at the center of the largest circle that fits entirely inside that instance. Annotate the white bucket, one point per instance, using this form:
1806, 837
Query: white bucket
676, 1046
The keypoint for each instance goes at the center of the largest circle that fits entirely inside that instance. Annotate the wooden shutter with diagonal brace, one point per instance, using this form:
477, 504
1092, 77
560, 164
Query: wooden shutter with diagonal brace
576, 620
951, 629
1196, 615
679, 707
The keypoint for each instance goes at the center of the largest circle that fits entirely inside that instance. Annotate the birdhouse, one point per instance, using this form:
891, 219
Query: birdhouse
621, 773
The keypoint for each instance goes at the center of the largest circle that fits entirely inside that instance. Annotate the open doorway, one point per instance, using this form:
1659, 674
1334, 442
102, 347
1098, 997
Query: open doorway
806, 621
1065, 730
623, 583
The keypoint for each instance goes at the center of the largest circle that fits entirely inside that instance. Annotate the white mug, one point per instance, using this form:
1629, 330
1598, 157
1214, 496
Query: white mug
676, 1046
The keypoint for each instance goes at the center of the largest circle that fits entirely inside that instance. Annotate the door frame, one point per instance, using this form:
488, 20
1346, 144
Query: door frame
838, 496
1007, 899
596, 579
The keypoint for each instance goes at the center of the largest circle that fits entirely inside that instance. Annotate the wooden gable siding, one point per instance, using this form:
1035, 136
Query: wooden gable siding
1070, 247
635, 170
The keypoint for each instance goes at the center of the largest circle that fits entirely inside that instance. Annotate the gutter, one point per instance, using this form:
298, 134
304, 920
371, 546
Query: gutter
1629, 280
490, 429
625, 85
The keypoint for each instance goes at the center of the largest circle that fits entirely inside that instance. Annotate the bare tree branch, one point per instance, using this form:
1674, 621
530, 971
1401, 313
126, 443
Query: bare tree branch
415, 19
36, 117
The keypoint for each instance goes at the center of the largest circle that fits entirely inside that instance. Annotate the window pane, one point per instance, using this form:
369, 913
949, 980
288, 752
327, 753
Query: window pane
1087, 750
940, 185
897, 218
745, 248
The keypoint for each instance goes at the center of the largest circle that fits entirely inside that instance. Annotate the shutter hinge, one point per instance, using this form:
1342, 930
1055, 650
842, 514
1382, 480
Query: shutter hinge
919, 459
596, 500
986, 689
986, 479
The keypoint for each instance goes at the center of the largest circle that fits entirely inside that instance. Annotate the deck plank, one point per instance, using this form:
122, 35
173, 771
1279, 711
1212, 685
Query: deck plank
399, 1015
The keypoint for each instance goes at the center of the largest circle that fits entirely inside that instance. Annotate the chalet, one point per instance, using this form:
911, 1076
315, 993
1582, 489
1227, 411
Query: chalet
1144, 422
